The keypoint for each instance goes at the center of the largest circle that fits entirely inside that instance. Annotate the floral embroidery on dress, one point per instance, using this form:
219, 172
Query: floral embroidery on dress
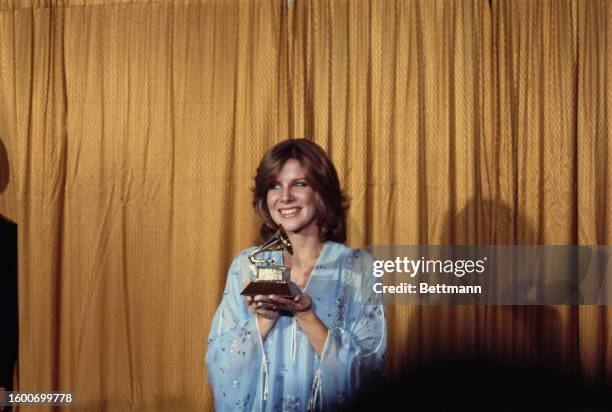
290, 404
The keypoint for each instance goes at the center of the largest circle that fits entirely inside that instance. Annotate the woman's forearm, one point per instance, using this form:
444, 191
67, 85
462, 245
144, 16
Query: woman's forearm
314, 329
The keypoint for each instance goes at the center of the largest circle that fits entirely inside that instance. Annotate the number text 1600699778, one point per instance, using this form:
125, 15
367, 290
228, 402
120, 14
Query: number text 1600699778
9, 398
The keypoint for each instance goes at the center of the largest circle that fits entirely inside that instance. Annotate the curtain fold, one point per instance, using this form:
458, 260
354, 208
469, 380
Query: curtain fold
133, 129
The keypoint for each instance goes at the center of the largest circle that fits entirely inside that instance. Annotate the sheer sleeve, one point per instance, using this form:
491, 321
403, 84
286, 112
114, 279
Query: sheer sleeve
234, 342
355, 346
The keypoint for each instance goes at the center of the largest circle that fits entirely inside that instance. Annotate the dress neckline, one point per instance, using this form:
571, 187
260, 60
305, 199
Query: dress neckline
316, 265
326, 246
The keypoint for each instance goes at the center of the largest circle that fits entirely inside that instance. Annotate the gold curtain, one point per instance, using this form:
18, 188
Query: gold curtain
133, 129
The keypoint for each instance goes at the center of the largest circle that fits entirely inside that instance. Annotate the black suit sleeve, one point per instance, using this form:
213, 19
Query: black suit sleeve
8, 302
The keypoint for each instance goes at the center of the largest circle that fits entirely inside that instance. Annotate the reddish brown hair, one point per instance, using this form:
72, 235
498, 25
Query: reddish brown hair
330, 202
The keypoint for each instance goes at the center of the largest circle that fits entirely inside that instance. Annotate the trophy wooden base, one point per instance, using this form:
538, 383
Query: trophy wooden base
270, 288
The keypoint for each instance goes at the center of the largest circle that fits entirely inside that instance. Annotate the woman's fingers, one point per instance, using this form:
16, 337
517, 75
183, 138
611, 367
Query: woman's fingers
267, 305
274, 303
262, 298
283, 303
281, 300
298, 303
256, 300
260, 302
262, 307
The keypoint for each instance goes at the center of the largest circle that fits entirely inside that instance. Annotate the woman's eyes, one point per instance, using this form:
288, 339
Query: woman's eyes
299, 183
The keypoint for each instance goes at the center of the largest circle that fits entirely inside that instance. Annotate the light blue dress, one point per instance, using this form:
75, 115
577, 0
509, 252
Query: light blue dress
283, 372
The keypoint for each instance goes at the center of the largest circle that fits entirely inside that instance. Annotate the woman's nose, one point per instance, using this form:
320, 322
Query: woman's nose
286, 195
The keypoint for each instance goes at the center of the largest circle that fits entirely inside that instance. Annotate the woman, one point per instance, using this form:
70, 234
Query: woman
314, 351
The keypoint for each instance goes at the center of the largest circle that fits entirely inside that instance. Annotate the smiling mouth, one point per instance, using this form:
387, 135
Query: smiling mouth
289, 212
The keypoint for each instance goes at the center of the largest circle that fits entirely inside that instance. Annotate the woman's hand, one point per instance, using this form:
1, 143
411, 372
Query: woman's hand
262, 306
300, 303
266, 311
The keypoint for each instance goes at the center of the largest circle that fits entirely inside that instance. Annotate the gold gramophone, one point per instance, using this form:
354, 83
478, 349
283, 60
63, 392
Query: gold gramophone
270, 278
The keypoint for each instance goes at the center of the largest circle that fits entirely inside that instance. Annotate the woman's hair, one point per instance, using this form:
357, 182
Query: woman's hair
331, 204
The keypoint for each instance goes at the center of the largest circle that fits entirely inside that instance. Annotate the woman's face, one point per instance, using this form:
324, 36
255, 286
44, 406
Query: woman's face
291, 200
